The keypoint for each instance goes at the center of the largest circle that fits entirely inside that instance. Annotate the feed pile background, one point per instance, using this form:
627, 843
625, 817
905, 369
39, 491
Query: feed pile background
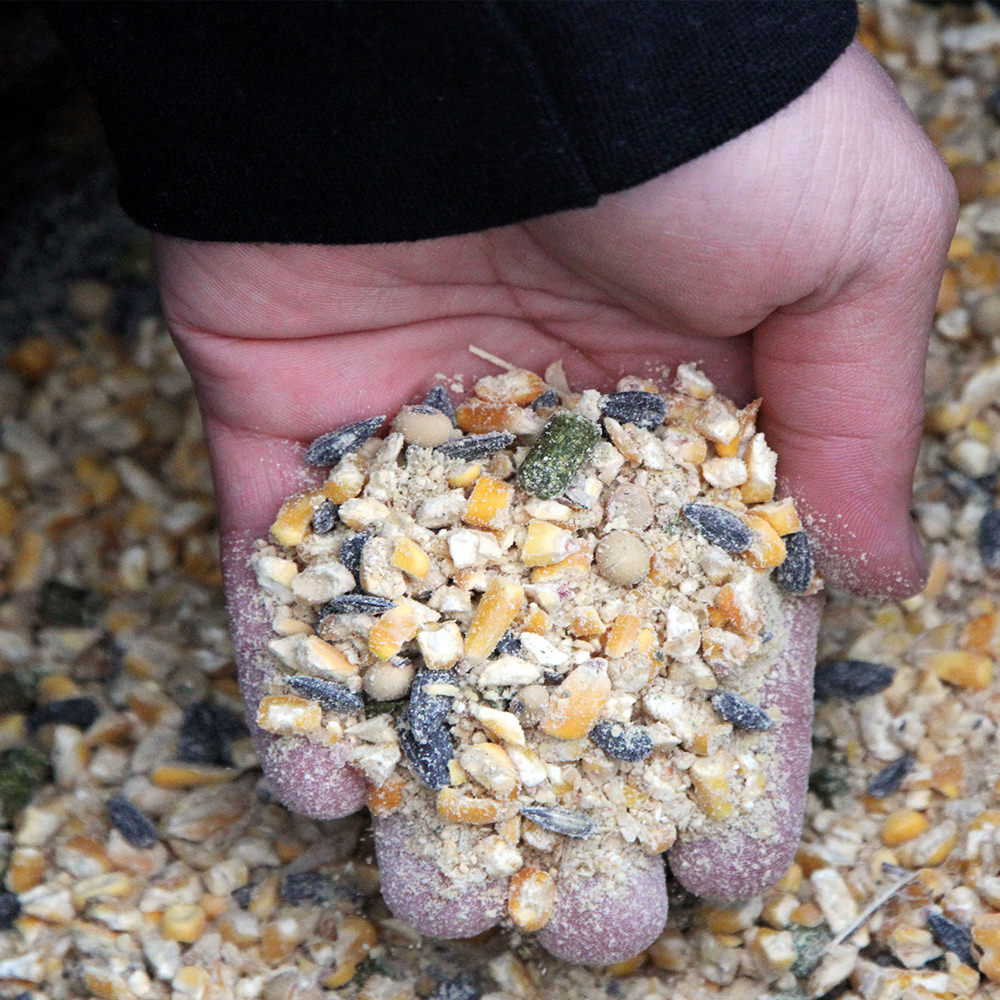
117, 678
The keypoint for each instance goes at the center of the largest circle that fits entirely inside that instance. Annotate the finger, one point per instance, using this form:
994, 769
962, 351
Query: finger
410, 853
308, 778
841, 374
607, 909
755, 851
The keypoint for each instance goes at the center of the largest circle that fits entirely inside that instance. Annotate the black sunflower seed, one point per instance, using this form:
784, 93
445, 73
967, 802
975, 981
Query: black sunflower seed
476, 445
952, 937
621, 742
206, 732
719, 526
356, 604
331, 695
439, 399
325, 517
350, 552
890, 777
851, 679
10, 909
546, 400
988, 539
795, 573
330, 448
741, 713
428, 710
568, 822
131, 822
644, 409
509, 644
429, 755
77, 712
243, 895
307, 887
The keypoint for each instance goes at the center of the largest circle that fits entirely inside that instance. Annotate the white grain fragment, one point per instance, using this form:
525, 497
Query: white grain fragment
834, 898
377, 761
543, 651
512, 671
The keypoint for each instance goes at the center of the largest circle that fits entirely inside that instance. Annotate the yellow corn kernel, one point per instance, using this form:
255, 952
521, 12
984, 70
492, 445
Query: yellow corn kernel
537, 621
279, 939
26, 869
728, 449
903, 825
489, 764
761, 464
780, 514
386, 798
497, 608
503, 725
516, 386
410, 558
356, 937
964, 668
8, 516
294, 515
980, 633
55, 687
532, 898
734, 608
645, 640
948, 776
456, 807
545, 543
940, 853
325, 658
287, 714
791, 880
392, 631
709, 740
183, 922
488, 502
961, 248
479, 416
345, 482
576, 563
710, 786
622, 636
576, 703
767, 549
190, 775
628, 966
586, 623
465, 476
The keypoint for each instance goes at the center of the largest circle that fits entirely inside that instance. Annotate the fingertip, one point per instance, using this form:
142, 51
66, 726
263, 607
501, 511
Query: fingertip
416, 891
608, 916
310, 779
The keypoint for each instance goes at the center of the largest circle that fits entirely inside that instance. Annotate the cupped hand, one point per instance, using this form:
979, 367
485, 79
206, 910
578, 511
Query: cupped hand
822, 230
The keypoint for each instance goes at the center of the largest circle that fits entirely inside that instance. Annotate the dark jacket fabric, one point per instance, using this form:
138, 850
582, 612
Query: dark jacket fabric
358, 122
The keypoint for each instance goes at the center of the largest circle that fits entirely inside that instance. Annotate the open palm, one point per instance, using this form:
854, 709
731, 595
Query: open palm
822, 230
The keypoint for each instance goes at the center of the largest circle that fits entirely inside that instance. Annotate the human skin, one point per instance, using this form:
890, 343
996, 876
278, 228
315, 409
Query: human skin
823, 231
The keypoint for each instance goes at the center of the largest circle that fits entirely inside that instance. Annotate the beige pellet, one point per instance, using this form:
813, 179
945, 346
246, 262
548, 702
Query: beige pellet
423, 426
622, 558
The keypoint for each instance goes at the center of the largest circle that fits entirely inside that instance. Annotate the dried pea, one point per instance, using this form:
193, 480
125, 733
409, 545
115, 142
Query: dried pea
328, 449
563, 445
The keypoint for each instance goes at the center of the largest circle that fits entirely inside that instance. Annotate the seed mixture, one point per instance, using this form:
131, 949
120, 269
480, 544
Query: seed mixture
543, 613
117, 684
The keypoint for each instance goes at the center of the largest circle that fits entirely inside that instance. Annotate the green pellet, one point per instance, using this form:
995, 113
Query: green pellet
565, 443
22, 771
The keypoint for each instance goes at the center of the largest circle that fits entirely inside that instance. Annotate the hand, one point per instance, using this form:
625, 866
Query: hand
823, 230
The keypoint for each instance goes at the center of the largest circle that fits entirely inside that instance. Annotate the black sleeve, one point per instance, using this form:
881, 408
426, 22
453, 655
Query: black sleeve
366, 122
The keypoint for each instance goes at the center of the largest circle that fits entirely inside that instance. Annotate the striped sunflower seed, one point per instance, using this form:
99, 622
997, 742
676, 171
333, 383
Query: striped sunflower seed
331, 695
568, 822
328, 449
621, 742
851, 679
476, 445
795, 574
644, 409
741, 713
